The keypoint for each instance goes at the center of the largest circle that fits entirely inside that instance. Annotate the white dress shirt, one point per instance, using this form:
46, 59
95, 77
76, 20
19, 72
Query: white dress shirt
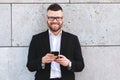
55, 41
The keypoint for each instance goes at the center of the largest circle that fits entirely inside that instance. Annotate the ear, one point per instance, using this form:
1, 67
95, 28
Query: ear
63, 18
46, 17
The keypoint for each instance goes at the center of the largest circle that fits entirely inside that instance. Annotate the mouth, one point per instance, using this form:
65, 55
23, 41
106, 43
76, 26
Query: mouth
55, 24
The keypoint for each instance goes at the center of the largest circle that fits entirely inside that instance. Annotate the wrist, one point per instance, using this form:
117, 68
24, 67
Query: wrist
43, 62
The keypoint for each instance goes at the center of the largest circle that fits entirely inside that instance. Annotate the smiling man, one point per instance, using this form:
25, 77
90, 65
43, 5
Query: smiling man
55, 54
54, 19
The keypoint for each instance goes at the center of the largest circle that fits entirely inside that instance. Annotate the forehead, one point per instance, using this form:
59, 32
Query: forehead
55, 13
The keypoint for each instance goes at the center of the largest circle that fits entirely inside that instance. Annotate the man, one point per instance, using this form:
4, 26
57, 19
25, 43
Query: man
41, 59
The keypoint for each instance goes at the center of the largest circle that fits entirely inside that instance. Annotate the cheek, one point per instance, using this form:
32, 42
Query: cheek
48, 22
61, 22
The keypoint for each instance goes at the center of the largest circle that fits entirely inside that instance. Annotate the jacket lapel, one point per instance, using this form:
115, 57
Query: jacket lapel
47, 46
46, 41
63, 42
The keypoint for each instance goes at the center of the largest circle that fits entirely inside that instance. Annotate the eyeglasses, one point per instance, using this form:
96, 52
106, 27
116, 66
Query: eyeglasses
50, 18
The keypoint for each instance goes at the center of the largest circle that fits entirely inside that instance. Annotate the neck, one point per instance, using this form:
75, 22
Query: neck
56, 32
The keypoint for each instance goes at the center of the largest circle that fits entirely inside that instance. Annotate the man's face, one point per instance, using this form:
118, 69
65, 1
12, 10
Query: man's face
54, 20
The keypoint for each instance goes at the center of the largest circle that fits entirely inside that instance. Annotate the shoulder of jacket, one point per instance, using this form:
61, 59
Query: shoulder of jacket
69, 34
40, 34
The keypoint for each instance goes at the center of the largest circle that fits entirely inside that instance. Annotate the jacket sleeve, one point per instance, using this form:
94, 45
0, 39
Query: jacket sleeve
77, 62
33, 62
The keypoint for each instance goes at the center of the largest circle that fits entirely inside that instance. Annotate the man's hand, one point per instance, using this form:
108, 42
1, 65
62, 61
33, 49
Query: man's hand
48, 58
62, 60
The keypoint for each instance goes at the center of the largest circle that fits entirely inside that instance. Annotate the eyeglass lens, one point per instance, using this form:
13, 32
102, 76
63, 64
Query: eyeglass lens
53, 18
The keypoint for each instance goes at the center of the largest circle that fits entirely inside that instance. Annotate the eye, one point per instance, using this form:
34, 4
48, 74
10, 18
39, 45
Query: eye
53, 18
59, 18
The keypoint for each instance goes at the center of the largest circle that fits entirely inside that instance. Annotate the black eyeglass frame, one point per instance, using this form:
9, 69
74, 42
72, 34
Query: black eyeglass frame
51, 18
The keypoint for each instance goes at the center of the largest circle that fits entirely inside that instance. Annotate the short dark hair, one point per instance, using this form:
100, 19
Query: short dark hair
54, 7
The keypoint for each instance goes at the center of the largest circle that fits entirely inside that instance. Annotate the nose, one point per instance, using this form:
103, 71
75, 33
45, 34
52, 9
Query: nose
55, 20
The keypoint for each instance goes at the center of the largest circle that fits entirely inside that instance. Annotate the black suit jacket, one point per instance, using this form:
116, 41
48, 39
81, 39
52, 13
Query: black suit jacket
70, 47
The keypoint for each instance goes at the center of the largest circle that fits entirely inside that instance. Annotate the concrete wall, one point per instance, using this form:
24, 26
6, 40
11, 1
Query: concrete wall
96, 22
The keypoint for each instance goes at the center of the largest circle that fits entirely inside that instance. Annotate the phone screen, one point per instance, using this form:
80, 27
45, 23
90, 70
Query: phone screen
55, 53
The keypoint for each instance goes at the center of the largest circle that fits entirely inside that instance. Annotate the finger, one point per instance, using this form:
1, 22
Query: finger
49, 54
61, 55
49, 60
60, 61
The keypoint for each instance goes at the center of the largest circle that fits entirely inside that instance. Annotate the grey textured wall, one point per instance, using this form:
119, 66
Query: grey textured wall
96, 22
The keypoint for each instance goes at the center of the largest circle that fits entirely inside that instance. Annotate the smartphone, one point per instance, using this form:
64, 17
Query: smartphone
55, 53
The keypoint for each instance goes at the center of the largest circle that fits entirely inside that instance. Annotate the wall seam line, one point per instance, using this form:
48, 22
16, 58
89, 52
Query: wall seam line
81, 46
11, 26
64, 3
